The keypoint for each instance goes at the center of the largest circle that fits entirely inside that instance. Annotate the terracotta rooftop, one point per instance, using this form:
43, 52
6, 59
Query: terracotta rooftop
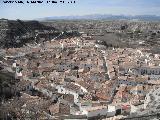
72, 86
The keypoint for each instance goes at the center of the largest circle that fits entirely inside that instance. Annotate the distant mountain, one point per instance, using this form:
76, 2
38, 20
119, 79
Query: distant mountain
103, 17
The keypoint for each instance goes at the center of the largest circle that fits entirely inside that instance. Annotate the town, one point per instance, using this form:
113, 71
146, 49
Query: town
80, 78
80, 60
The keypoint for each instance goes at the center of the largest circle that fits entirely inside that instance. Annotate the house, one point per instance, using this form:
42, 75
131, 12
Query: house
18, 75
126, 81
44, 88
149, 70
137, 90
104, 94
87, 97
121, 90
87, 84
100, 46
68, 97
29, 102
95, 111
134, 109
59, 108
153, 82
73, 89
14, 65
132, 81
114, 109
126, 109
127, 67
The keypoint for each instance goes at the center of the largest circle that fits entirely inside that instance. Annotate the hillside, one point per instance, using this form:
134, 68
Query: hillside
17, 33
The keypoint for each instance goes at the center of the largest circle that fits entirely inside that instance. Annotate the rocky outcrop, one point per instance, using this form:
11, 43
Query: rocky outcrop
17, 33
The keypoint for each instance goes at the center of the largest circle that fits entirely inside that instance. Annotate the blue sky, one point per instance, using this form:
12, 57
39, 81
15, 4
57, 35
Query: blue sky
81, 7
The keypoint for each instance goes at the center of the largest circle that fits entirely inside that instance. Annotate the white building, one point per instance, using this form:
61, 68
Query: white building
79, 90
95, 111
113, 110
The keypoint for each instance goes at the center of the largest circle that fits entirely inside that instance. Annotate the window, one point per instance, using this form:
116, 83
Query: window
61, 90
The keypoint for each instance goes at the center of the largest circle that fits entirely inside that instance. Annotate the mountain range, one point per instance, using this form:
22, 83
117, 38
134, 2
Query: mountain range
103, 17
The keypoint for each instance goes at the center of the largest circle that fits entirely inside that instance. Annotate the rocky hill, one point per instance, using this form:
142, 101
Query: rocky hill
16, 33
